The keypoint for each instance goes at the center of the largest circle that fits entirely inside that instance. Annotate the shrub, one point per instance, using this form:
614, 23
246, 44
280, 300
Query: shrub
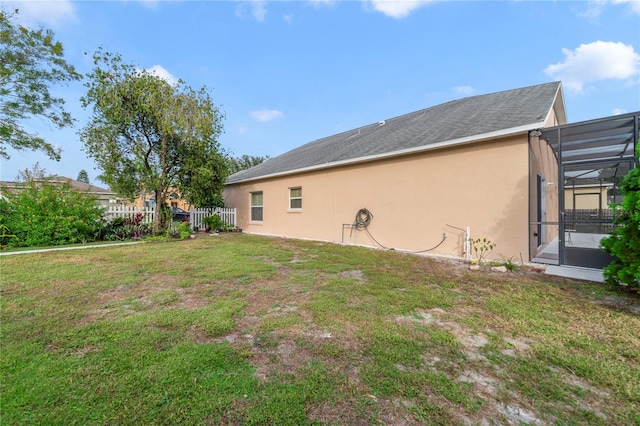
624, 242
46, 214
214, 223
125, 228
184, 230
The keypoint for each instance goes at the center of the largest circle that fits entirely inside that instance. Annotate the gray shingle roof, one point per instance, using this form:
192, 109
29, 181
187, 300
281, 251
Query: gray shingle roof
459, 119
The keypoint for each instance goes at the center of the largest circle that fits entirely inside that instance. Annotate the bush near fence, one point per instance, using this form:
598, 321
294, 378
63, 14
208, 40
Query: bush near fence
227, 215
196, 216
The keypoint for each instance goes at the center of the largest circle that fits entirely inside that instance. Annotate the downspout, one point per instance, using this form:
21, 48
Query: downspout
529, 197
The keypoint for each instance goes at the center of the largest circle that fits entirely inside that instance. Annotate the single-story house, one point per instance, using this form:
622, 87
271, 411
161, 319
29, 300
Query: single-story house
105, 197
427, 181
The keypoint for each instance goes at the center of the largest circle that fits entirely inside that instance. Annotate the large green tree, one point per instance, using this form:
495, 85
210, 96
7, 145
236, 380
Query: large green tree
30, 61
148, 135
624, 241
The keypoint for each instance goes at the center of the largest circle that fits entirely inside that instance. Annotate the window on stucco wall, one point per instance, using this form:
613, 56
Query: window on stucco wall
295, 198
256, 206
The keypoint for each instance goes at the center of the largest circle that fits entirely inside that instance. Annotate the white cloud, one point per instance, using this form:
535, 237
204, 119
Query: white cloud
464, 90
318, 3
149, 4
258, 9
594, 9
618, 111
634, 5
397, 9
50, 13
599, 60
287, 18
160, 71
266, 115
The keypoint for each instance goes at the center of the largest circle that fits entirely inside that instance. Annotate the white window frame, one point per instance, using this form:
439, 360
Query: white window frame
256, 206
295, 198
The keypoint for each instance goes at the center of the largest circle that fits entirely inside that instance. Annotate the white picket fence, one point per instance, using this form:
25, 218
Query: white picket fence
129, 212
228, 216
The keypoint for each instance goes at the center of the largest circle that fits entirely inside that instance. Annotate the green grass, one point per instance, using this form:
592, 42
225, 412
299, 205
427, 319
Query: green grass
240, 329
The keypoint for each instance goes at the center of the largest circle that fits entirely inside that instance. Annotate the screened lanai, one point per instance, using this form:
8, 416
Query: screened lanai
576, 171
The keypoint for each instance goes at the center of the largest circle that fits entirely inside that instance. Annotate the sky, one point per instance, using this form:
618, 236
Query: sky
285, 73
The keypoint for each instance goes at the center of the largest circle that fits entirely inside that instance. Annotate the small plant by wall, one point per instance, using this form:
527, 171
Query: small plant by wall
481, 247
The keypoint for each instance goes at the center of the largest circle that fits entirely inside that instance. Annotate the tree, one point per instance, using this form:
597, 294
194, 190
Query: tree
244, 162
624, 241
30, 61
147, 135
34, 173
83, 176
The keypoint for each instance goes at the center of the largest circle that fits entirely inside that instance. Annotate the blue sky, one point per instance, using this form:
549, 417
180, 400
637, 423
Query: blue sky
288, 72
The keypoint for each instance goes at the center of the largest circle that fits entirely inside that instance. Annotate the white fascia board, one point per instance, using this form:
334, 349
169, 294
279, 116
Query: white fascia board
558, 100
424, 148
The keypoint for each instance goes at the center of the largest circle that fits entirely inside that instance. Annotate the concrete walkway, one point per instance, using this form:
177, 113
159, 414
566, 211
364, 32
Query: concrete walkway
576, 273
11, 253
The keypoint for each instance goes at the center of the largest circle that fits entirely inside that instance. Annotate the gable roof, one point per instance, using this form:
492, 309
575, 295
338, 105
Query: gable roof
461, 121
81, 186
75, 184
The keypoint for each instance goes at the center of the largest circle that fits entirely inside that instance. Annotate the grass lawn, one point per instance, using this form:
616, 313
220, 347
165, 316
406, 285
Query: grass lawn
239, 329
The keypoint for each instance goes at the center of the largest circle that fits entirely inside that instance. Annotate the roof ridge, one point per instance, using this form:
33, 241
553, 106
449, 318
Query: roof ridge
455, 120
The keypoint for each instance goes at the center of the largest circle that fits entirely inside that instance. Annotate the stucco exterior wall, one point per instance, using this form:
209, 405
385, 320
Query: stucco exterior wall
591, 197
543, 163
413, 199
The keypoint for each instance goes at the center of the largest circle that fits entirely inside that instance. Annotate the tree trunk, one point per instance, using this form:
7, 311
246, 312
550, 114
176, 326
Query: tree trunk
158, 218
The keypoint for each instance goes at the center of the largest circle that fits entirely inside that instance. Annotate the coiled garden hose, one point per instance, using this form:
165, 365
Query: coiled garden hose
363, 219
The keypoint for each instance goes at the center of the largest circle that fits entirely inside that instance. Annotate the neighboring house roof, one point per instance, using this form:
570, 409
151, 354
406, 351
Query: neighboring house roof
461, 121
75, 184
81, 186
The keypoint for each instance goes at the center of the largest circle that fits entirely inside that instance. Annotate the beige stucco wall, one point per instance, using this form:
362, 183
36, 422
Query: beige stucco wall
412, 198
592, 197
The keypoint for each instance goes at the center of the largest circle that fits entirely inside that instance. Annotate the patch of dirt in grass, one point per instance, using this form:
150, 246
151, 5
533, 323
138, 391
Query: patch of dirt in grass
87, 349
191, 298
355, 274
96, 315
343, 413
142, 298
74, 259
469, 341
484, 385
626, 305
420, 317
519, 345
198, 336
517, 415
396, 411
578, 382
